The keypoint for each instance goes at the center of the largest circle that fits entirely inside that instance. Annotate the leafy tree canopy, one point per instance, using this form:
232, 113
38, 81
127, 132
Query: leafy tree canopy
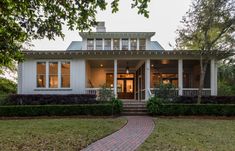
24, 20
208, 25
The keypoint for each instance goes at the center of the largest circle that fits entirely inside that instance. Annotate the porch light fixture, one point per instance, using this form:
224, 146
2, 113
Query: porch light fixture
127, 68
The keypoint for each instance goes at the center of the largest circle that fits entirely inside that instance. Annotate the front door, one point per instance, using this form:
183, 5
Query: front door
125, 87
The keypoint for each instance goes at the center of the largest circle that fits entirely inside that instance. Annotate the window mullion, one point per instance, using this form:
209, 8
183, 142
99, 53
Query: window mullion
47, 74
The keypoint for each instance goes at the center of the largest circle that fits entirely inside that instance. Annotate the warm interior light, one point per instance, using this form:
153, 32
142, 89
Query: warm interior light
127, 68
101, 65
152, 65
165, 61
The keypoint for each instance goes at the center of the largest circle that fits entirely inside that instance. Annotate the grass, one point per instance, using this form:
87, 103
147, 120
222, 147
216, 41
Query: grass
54, 134
191, 135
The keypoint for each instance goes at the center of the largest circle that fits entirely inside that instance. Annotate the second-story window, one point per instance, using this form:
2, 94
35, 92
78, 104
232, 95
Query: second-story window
142, 44
90, 44
133, 44
125, 44
116, 44
99, 44
107, 44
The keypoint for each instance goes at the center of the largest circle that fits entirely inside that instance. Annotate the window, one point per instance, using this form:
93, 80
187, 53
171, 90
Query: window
53, 74
90, 44
99, 44
125, 44
65, 74
107, 44
116, 44
41, 74
133, 44
142, 44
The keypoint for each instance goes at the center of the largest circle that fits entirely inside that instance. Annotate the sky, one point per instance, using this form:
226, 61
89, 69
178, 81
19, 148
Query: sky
164, 20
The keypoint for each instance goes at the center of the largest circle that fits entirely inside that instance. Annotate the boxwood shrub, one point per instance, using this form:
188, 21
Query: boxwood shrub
58, 110
44, 99
205, 100
195, 109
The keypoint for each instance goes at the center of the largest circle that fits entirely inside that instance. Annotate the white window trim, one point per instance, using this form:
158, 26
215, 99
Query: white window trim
47, 75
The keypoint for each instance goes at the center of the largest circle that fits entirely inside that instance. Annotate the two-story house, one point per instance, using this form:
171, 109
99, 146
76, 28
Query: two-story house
128, 62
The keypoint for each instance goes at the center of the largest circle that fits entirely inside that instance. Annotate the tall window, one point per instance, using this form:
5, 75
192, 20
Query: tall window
41, 74
107, 44
65, 74
90, 44
133, 44
53, 74
99, 44
142, 44
125, 44
116, 44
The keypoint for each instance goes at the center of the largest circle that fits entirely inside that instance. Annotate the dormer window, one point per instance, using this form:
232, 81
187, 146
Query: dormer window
116, 44
90, 44
99, 44
142, 45
107, 44
133, 44
125, 44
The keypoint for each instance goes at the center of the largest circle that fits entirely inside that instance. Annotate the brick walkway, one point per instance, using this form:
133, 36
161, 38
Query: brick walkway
128, 138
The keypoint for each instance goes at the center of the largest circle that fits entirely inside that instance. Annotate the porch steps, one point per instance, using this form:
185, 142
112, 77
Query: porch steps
134, 108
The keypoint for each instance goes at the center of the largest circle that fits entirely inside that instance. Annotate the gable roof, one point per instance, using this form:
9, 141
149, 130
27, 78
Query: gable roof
154, 45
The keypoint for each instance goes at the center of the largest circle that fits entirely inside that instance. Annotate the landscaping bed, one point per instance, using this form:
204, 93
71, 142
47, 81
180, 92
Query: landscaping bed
191, 134
55, 134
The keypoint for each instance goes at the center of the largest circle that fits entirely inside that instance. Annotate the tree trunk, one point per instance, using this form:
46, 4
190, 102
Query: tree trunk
203, 67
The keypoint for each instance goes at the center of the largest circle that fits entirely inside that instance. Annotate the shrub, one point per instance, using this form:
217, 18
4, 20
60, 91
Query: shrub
105, 94
206, 100
165, 91
43, 99
7, 86
57, 110
117, 105
195, 109
154, 104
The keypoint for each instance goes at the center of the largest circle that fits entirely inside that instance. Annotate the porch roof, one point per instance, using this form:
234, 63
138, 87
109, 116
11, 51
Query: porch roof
116, 54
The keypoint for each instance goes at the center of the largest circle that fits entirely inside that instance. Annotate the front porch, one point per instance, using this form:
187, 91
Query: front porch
138, 79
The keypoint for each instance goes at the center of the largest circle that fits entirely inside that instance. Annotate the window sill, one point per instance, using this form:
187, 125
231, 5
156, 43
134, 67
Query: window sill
53, 89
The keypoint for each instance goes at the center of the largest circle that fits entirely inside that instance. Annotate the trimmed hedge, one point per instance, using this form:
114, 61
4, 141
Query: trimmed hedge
196, 109
205, 100
44, 99
58, 110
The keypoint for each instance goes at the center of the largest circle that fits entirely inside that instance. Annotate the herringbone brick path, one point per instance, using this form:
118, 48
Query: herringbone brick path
128, 138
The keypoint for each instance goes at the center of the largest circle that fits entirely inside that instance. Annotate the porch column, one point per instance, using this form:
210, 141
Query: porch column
115, 79
147, 79
180, 77
212, 73
216, 80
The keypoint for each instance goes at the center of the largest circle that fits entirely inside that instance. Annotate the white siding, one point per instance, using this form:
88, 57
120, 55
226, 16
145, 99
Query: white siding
27, 82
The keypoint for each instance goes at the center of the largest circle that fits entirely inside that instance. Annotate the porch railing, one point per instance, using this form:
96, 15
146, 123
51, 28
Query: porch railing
194, 91
187, 91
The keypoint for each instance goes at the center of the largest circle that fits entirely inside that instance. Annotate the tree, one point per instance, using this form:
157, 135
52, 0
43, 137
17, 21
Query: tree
24, 20
209, 25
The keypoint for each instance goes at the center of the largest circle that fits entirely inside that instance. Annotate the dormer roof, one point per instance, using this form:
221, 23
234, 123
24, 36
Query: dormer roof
116, 34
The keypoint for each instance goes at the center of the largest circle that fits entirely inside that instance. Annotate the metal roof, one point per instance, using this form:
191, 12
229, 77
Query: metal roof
75, 45
116, 34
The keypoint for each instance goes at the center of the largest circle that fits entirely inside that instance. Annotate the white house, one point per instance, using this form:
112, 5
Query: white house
128, 62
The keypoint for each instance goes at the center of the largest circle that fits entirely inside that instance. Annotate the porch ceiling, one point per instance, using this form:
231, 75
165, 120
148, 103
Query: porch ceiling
110, 63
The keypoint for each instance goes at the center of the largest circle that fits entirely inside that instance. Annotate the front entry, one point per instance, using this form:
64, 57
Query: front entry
125, 88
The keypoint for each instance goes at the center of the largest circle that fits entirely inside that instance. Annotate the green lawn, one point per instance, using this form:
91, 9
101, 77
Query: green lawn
191, 135
54, 134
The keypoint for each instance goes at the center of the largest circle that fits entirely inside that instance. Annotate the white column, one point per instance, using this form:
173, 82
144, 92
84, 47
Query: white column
115, 79
212, 77
138, 44
129, 43
111, 43
180, 77
216, 72
147, 79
